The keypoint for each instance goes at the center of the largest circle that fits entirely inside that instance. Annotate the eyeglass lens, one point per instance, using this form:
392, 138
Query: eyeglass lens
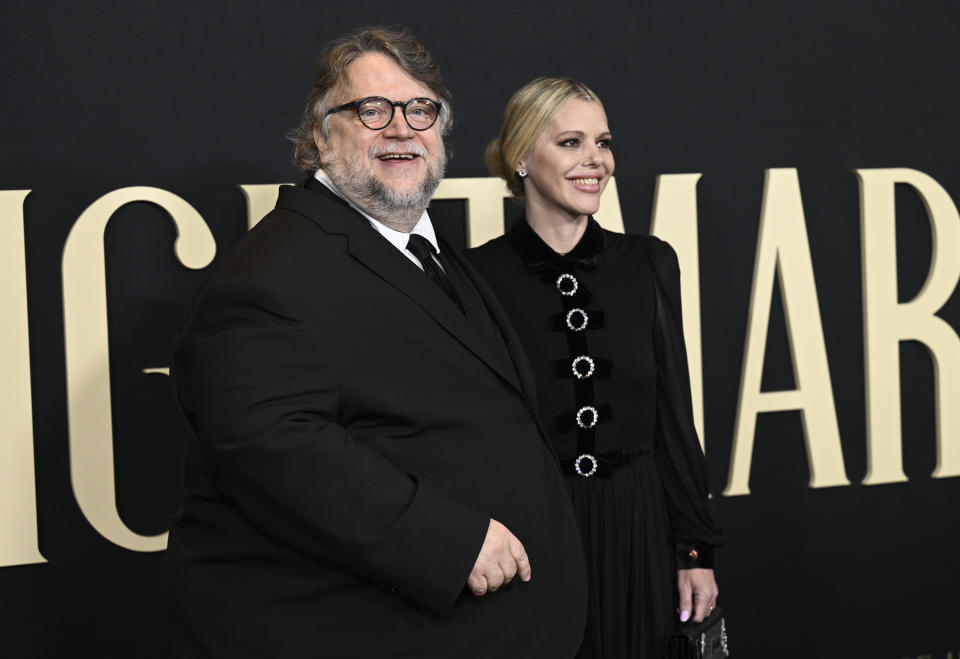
420, 113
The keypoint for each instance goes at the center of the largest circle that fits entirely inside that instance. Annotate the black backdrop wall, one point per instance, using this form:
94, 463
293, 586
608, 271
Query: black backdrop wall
194, 98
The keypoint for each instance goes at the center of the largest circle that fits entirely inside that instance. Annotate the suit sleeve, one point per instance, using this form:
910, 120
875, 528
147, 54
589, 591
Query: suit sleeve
264, 407
680, 458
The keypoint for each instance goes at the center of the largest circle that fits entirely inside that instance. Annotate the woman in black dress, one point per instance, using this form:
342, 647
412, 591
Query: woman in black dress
598, 314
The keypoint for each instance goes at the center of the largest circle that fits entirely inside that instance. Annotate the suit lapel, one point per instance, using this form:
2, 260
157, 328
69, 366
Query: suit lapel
502, 321
481, 320
334, 215
513, 345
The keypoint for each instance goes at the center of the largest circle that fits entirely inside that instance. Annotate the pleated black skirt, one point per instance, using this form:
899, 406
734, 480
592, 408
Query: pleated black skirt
631, 570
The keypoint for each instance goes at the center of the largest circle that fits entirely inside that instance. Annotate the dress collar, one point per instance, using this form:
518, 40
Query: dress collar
587, 253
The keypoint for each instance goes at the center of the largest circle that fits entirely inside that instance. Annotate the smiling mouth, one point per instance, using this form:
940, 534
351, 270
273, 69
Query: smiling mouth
585, 181
397, 156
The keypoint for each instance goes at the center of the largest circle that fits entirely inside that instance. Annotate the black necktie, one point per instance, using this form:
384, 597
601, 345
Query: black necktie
424, 251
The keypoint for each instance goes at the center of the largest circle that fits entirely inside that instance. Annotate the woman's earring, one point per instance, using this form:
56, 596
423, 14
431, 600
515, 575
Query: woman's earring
522, 173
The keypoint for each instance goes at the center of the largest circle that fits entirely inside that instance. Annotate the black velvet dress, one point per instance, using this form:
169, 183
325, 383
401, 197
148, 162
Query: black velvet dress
613, 394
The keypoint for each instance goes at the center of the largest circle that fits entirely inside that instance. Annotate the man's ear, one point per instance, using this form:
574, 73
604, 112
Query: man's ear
320, 140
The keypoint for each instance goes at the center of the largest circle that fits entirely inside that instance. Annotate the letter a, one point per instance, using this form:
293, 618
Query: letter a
783, 242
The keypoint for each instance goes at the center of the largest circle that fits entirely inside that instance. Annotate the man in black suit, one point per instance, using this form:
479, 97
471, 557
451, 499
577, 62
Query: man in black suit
364, 467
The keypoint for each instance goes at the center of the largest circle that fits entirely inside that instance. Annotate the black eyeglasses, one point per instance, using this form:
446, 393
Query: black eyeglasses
376, 112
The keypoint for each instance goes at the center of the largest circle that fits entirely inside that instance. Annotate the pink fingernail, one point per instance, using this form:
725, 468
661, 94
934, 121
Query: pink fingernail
684, 616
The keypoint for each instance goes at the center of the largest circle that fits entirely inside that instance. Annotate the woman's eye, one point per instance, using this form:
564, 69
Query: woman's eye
571, 142
605, 144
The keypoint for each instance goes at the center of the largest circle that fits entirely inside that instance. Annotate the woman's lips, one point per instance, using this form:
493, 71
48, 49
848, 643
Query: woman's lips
586, 183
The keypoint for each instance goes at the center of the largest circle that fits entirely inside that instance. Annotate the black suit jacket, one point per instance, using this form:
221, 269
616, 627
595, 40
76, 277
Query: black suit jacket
351, 432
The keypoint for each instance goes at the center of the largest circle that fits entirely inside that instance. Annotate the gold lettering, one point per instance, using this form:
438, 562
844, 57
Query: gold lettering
261, 199
887, 322
608, 215
782, 242
675, 220
18, 502
87, 351
484, 205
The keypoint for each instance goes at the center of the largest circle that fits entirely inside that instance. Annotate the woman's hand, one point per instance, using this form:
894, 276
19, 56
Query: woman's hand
698, 593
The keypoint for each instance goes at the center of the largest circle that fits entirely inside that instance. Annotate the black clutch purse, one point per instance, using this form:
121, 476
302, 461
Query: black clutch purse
700, 640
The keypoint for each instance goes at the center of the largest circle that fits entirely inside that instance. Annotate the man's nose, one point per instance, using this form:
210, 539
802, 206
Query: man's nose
398, 127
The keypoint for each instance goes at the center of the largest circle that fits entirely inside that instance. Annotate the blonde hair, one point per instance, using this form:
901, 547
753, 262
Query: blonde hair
528, 112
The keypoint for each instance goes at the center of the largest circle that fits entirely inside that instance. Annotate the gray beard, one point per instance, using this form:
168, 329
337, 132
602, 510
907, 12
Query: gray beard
398, 210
